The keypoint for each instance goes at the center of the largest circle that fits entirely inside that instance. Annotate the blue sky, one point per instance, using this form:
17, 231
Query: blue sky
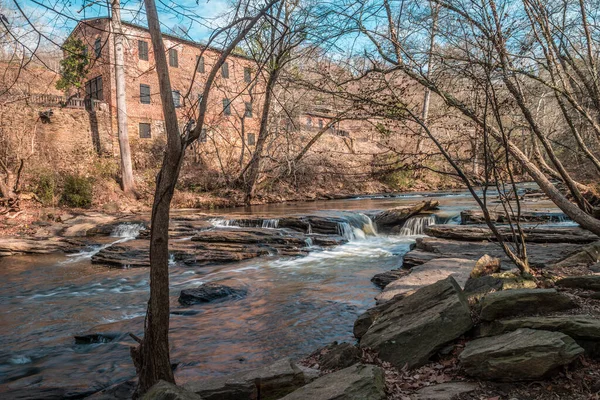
192, 19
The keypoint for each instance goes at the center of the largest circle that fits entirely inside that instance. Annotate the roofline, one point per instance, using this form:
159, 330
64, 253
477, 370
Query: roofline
172, 37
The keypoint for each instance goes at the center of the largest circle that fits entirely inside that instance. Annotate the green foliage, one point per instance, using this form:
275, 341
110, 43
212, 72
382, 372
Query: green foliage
77, 192
399, 180
74, 66
45, 189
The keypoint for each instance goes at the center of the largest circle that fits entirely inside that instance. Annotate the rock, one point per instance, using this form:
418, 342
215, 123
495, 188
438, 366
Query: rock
524, 354
478, 287
366, 319
536, 234
486, 265
468, 217
511, 303
209, 292
336, 356
383, 279
119, 391
10, 246
358, 382
586, 282
540, 254
427, 274
444, 391
167, 391
92, 338
595, 268
587, 255
393, 217
133, 254
271, 382
584, 329
418, 257
413, 328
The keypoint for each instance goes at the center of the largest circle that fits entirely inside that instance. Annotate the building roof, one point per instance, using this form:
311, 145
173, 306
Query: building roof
86, 21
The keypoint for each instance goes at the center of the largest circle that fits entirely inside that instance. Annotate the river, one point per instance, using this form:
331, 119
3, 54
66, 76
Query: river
294, 305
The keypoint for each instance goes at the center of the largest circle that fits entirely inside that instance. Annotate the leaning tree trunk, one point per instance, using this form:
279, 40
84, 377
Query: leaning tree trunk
127, 183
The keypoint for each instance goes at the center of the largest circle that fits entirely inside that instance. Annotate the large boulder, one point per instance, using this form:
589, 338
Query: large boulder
271, 382
358, 382
167, 391
209, 292
412, 329
511, 303
385, 278
478, 287
524, 354
427, 274
584, 329
587, 255
486, 265
586, 282
394, 217
336, 356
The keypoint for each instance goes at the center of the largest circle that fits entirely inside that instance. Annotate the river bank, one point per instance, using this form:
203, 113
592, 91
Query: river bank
315, 297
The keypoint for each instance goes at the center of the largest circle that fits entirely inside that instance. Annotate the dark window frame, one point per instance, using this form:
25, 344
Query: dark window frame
176, 98
251, 139
144, 127
247, 74
143, 50
225, 70
200, 64
173, 58
94, 88
145, 98
203, 136
248, 109
98, 47
226, 106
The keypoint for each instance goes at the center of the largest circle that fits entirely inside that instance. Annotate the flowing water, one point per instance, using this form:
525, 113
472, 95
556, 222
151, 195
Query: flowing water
293, 306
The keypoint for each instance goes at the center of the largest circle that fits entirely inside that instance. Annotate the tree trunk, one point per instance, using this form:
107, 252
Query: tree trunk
127, 183
152, 358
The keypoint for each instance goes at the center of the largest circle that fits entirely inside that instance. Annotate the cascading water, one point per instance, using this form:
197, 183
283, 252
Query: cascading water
124, 232
127, 230
270, 223
416, 225
356, 226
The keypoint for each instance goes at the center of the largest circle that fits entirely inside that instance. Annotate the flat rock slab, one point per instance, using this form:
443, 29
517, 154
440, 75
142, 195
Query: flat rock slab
587, 255
586, 282
427, 274
167, 391
10, 246
412, 329
524, 354
336, 356
417, 257
395, 217
510, 303
537, 234
584, 329
385, 278
358, 382
271, 382
209, 292
444, 391
468, 217
540, 254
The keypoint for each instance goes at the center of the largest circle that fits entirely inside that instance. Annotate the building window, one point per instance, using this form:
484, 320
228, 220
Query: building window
308, 121
145, 94
225, 70
200, 64
176, 98
144, 129
248, 112
143, 50
203, 136
173, 60
247, 75
251, 139
98, 47
320, 124
226, 107
93, 89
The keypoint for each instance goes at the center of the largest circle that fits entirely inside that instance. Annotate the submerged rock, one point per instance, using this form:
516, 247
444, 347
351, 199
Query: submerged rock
412, 329
524, 354
523, 302
209, 292
358, 382
92, 338
584, 329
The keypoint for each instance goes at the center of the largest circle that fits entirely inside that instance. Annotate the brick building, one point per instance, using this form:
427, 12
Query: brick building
233, 110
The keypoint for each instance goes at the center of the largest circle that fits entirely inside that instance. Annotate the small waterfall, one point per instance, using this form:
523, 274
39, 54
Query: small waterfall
308, 242
356, 226
309, 229
416, 225
270, 223
127, 230
221, 222
345, 230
